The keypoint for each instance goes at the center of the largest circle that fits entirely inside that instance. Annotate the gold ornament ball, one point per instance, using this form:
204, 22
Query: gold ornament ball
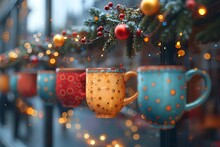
150, 7
58, 40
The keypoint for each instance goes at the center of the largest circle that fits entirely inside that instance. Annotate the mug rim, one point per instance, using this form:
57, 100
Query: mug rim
70, 69
105, 69
45, 71
161, 67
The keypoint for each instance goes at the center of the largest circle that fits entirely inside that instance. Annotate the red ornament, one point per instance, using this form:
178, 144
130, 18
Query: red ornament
122, 32
99, 33
100, 28
190, 4
34, 59
106, 7
110, 4
138, 32
64, 33
121, 16
74, 34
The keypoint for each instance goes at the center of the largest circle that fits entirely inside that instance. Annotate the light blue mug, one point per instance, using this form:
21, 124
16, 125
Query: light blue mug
46, 82
162, 93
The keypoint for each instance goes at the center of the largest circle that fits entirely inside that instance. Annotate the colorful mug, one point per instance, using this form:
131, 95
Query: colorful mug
162, 93
4, 83
13, 83
26, 84
105, 90
46, 81
70, 86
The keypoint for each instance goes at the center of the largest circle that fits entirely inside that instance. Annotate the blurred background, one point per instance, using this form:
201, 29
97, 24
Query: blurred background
22, 121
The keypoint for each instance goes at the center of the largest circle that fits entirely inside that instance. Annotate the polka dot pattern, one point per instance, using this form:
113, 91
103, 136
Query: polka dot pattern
105, 93
70, 87
46, 86
161, 96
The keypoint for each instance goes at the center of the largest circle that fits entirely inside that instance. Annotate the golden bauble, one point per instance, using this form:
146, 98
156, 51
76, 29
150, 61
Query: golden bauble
58, 40
150, 7
4, 83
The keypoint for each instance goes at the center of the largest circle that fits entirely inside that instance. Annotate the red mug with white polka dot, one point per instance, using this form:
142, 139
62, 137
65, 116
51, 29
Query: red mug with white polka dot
70, 86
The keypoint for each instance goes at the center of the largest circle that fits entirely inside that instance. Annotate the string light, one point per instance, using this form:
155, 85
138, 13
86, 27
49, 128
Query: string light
181, 53
52, 61
86, 135
56, 54
202, 10
207, 56
178, 45
160, 18
146, 39
49, 45
48, 52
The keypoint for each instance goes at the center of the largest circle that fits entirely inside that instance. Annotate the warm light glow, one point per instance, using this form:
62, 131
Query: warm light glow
56, 54
207, 56
12, 55
40, 54
27, 45
96, 18
76, 39
202, 11
102, 55
50, 45
29, 50
92, 142
48, 52
78, 126
86, 135
134, 128
128, 123
61, 120
71, 59
159, 44
117, 145
160, 18
30, 111
68, 125
102, 137
64, 114
181, 53
181, 34
52, 61
70, 112
146, 39
178, 45
6, 36
136, 136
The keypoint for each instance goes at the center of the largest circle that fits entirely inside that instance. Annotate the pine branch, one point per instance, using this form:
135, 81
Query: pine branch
130, 50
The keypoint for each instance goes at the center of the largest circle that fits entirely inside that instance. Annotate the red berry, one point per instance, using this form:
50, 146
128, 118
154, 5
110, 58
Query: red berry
110, 4
100, 28
118, 6
34, 59
99, 33
106, 7
64, 33
138, 32
74, 34
121, 16
83, 40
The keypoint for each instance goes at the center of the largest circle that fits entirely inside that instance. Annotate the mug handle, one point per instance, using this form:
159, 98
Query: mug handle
82, 77
189, 74
128, 100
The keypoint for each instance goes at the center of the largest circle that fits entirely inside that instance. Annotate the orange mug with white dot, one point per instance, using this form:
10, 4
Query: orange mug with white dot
106, 90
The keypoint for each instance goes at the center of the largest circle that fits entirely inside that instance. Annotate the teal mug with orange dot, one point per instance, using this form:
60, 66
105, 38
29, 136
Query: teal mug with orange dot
46, 82
162, 93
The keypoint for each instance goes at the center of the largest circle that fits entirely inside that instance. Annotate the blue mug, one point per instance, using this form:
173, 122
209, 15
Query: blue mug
162, 93
13, 84
46, 82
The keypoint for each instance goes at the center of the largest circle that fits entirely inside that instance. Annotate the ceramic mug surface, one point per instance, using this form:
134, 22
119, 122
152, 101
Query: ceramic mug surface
46, 81
26, 84
4, 83
105, 90
162, 93
13, 83
70, 86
